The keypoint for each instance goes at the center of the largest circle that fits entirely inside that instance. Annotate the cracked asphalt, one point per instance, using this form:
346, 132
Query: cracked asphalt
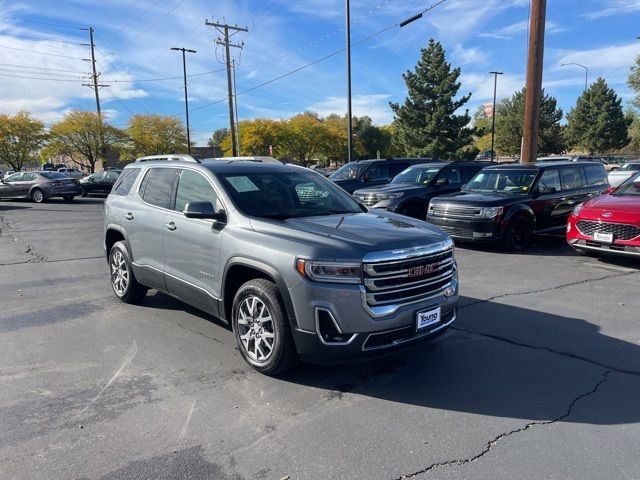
539, 379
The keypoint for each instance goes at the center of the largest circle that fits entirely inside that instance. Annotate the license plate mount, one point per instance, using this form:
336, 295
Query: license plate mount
603, 237
428, 317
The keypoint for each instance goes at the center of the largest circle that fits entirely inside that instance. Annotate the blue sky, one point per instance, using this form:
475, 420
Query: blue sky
133, 39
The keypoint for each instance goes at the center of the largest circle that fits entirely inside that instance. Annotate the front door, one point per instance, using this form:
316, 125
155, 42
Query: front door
192, 246
549, 205
10, 185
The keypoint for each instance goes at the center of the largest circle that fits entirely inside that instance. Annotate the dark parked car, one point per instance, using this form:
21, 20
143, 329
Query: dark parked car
39, 186
371, 173
99, 183
511, 203
411, 190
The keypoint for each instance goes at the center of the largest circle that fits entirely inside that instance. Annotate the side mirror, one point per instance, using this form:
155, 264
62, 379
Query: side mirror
610, 190
442, 181
365, 178
204, 210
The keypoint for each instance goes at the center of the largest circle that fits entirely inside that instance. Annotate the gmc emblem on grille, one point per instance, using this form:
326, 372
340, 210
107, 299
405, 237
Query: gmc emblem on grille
422, 270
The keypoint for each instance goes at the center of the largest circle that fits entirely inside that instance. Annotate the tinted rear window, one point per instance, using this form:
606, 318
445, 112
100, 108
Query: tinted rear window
157, 186
596, 175
125, 182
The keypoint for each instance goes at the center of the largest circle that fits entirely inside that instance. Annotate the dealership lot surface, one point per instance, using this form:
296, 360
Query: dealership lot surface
539, 379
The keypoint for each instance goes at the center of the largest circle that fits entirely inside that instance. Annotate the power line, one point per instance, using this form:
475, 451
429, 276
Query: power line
41, 53
138, 16
47, 74
155, 22
40, 68
41, 78
30, 37
40, 23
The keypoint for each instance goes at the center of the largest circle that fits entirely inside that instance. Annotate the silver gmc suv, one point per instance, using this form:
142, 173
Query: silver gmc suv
295, 265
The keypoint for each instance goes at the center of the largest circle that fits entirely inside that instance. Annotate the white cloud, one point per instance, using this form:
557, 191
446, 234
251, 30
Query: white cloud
375, 106
466, 56
519, 28
615, 7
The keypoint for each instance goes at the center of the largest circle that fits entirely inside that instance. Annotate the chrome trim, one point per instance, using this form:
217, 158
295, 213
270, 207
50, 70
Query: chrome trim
330, 344
404, 273
405, 300
605, 250
453, 210
177, 278
416, 337
377, 311
600, 222
409, 253
375, 290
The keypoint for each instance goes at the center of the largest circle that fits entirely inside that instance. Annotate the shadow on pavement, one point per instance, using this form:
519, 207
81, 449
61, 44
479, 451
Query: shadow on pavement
469, 372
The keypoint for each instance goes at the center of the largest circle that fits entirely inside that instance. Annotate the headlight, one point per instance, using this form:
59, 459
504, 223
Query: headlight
491, 212
332, 272
388, 196
576, 209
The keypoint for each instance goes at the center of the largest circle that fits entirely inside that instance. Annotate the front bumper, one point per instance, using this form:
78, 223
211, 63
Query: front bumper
579, 241
471, 230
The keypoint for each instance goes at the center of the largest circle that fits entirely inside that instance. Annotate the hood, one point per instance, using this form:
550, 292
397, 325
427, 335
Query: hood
391, 188
353, 235
621, 208
480, 199
349, 185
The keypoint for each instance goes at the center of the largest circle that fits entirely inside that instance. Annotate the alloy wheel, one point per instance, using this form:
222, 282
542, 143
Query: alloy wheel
37, 196
255, 329
119, 274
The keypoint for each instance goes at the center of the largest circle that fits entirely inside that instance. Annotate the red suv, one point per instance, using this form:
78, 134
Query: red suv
609, 223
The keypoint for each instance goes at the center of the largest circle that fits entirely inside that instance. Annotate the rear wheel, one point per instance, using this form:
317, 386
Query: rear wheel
68, 198
37, 195
123, 281
261, 328
414, 210
519, 234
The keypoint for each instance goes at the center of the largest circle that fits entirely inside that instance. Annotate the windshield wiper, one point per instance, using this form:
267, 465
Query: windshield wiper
277, 216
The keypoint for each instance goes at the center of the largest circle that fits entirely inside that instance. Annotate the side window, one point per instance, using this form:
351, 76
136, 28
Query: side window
193, 187
111, 176
452, 174
550, 181
596, 175
125, 182
28, 177
378, 171
157, 186
571, 178
96, 177
14, 177
396, 167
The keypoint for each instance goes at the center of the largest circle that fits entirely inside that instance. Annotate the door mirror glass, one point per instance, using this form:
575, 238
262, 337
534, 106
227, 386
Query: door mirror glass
365, 178
204, 210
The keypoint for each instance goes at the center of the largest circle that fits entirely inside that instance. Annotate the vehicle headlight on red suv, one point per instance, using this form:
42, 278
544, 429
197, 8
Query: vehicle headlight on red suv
577, 209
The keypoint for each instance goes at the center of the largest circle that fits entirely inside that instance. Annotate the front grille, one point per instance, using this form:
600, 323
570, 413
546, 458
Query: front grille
407, 281
620, 231
453, 231
451, 210
369, 199
401, 335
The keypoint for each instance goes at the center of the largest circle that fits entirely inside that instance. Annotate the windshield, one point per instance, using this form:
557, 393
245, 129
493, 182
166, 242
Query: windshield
350, 171
287, 194
502, 181
630, 188
419, 175
630, 166
53, 175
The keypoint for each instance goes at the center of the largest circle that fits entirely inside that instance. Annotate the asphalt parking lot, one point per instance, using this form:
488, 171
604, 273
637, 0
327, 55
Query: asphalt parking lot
539, 379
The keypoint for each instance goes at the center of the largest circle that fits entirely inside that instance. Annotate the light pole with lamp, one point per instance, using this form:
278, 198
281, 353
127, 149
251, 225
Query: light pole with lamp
586, 72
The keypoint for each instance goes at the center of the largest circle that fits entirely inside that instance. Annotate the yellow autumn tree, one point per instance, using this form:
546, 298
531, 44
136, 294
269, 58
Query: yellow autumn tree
151, 134
20, 138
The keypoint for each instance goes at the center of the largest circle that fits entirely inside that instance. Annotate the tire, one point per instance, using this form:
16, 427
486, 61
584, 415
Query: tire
265, 345
414, 210
37, 195
84, 192
123, 281
68, 198
519, 234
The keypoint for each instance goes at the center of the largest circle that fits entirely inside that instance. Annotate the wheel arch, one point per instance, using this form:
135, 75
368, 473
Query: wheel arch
113, 234
520, 210
240, 270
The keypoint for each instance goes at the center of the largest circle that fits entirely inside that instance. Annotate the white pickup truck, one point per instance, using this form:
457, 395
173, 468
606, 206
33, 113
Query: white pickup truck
616, 177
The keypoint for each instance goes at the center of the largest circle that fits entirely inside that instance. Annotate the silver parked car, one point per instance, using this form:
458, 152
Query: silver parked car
293, 263
618, 176
39, 186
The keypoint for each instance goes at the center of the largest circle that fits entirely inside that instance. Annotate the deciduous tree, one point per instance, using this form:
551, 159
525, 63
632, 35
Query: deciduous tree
427, 123
20, 139
152, 134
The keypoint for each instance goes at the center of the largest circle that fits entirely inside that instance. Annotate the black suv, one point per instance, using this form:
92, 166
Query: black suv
510, 203
410, 191
370, 173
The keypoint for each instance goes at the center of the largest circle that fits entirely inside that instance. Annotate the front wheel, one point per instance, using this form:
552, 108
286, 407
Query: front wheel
37, 195
519, 234
123, 281
68, 198
261, 328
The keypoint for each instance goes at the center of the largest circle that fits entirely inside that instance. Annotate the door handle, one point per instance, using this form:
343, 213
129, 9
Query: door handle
171, 226
129, 216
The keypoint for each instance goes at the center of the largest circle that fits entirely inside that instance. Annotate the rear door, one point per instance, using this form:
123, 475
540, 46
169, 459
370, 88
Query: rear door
192, 245
573, 190
144, 223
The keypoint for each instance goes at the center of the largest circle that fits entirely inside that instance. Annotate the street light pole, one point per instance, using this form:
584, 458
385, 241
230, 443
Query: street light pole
348, 51
493, 112
186, 98
586, 72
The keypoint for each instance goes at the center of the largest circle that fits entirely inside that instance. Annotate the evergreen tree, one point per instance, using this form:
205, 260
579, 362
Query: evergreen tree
597, 123
426, 124
510, 119
634, 82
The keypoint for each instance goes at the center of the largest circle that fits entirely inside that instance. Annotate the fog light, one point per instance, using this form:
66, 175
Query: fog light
449, 291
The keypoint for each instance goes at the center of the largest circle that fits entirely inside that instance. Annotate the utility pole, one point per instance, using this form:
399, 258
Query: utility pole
347, 30
224, 30
94, 76
186, 98
534, 81
493, 112
235, 104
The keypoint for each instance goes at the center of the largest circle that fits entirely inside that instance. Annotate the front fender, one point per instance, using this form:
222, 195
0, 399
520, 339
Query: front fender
519, 209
